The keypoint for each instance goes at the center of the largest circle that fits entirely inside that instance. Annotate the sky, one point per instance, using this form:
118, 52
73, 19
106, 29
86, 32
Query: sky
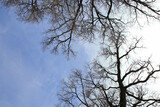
150, 33
30, 77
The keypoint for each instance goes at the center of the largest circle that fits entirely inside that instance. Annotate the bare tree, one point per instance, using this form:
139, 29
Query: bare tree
27, 10
83, 19
120, 81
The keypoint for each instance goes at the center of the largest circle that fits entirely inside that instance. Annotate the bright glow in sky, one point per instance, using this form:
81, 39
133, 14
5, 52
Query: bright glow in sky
150, 34
151, 40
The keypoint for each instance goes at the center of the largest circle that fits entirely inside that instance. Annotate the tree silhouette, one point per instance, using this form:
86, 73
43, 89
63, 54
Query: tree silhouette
120, 81
27, 10
82, 19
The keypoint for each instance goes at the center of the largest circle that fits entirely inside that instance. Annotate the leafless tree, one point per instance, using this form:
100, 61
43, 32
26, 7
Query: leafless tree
85, 19
120, 80
116, 81
82, 19
27, 10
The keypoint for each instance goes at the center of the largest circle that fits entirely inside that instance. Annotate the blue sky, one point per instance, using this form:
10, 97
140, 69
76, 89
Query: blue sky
30, 77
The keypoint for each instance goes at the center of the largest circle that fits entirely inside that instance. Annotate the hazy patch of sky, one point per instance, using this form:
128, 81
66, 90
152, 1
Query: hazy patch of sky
150, 34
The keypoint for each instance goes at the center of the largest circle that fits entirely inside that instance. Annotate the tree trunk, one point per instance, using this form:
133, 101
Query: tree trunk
121, 86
